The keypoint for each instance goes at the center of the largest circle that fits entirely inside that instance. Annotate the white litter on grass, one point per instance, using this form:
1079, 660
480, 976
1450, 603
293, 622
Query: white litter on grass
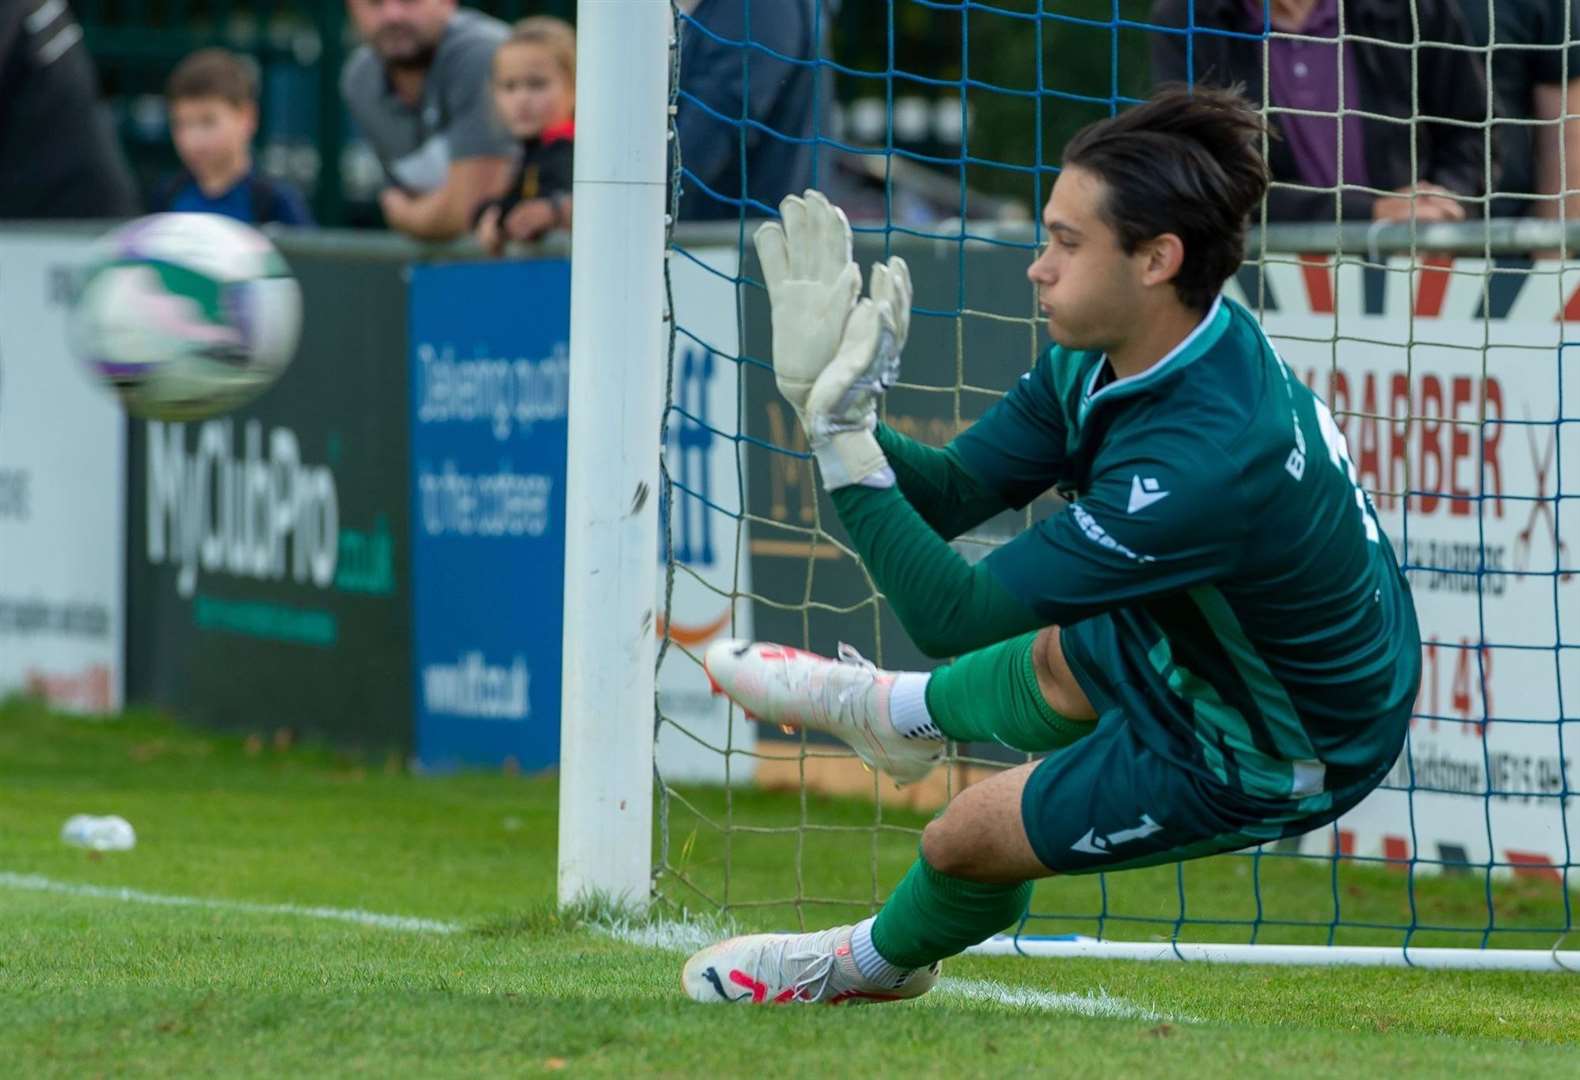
689, 936
411, 924
109, 833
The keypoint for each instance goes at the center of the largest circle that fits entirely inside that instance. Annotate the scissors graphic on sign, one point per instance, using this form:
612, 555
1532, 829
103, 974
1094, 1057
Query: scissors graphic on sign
1542, 507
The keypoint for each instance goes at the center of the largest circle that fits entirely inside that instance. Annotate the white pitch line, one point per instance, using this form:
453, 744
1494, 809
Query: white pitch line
38, 883
1100, 1004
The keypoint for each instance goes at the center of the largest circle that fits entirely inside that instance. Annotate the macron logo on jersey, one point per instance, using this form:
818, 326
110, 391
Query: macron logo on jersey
1143, 493
1093, 844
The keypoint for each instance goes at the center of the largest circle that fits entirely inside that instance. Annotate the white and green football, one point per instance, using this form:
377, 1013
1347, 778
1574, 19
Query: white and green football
186, 315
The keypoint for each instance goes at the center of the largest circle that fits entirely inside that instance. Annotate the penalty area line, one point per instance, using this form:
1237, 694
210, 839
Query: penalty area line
408, 923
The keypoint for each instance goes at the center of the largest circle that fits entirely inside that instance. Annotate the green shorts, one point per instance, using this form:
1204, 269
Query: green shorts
1112, 802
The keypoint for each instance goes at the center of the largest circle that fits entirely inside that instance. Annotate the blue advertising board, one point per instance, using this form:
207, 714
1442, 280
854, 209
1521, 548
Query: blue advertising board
489, 385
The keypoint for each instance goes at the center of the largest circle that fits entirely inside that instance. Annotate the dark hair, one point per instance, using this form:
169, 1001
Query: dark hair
214, 73
1188, 162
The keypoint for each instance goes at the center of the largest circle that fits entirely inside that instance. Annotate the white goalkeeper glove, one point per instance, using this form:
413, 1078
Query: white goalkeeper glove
812, 286
842, 408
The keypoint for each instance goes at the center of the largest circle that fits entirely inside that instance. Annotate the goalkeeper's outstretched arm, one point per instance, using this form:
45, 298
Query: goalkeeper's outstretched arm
936, 483
947, 606
1095, 555
834, 354
1001, 462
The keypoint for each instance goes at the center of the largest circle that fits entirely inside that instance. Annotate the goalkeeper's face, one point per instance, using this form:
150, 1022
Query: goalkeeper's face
1093, 294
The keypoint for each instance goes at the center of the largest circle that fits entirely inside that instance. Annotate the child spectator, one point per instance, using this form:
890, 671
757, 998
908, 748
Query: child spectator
213, 101
534, 85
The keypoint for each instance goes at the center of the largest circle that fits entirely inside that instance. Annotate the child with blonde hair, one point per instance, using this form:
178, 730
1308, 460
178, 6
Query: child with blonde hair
534, 86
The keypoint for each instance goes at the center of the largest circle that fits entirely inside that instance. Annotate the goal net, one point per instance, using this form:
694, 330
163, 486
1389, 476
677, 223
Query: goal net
1446, 351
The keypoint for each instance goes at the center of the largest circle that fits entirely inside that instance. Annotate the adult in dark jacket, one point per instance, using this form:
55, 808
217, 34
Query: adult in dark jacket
1535, 73
1446, 110
729, 51
58, 154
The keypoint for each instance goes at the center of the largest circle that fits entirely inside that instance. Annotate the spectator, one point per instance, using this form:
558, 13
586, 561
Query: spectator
213, 101
1421, 174
535, 97
1529, 83
748, 166
58, 155
418, 89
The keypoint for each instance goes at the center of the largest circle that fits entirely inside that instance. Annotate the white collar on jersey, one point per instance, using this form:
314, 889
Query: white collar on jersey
1155, 369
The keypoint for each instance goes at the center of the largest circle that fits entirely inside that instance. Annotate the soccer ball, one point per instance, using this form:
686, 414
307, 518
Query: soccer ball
186, 315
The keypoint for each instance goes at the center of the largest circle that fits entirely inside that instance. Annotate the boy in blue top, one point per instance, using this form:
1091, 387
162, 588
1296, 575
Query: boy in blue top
1211, 636
213, 101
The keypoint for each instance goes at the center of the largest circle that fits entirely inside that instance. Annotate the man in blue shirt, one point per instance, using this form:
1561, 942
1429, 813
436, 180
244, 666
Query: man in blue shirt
213, 102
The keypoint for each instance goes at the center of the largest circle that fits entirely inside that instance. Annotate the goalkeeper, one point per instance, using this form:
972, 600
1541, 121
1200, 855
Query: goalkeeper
1212, 636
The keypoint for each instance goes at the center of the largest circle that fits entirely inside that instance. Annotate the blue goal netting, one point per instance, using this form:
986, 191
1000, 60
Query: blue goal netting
1442, 348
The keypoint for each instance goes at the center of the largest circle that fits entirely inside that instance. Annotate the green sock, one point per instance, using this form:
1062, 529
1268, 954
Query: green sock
992, 695
931, 915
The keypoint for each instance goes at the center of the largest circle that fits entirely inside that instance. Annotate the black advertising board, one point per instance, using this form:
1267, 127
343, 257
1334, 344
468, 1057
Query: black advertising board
268, 549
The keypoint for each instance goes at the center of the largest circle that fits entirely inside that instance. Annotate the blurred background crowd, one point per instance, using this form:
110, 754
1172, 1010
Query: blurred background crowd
442, 120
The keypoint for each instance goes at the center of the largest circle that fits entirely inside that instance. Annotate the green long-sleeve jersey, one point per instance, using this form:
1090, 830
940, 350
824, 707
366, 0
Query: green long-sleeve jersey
1262, 632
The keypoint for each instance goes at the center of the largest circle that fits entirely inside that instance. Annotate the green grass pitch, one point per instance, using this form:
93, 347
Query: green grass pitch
97, 981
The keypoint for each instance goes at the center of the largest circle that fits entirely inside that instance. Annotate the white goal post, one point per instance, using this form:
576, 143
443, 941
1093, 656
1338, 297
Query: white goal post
611, 496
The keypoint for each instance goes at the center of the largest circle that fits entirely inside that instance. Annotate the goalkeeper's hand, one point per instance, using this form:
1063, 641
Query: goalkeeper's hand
842, 408
812, 286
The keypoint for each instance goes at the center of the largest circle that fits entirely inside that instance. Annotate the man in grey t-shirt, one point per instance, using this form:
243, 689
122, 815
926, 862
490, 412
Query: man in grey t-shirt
418, 89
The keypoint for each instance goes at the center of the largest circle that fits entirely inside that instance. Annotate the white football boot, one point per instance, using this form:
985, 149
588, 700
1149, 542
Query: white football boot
782, 969
847, 698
